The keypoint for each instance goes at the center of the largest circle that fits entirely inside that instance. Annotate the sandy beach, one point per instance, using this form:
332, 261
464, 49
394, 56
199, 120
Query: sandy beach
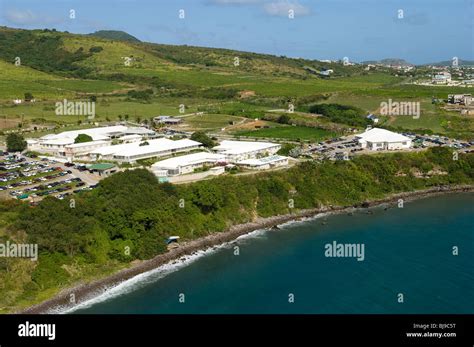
90, 290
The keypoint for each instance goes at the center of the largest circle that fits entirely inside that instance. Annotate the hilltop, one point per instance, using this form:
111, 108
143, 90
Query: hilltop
115, 35
389, 61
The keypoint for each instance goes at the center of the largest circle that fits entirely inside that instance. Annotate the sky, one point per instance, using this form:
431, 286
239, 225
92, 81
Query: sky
420, 31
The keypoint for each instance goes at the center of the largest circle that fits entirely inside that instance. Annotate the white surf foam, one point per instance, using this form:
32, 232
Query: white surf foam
141, 280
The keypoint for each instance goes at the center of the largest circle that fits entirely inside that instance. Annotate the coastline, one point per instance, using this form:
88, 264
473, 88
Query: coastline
88, 291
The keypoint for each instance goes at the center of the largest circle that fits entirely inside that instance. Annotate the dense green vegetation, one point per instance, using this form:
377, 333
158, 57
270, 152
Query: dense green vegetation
81, 138
201, 136
48, 54
341, 114
15, 143
130, 214
115, 35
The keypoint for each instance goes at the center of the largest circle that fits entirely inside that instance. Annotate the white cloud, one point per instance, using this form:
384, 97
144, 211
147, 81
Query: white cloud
281, 8
28, 17
235, 2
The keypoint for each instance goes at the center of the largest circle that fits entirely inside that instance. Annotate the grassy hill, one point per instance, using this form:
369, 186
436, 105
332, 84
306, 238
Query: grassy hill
115, 35
118, 69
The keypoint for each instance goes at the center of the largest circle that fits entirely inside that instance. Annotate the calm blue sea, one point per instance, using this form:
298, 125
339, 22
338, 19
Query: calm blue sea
407, 251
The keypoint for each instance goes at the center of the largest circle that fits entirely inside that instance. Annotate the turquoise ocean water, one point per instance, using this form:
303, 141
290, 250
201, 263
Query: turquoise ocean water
407, 251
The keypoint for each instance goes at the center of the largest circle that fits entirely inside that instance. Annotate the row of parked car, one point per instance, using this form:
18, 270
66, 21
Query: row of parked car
48, 188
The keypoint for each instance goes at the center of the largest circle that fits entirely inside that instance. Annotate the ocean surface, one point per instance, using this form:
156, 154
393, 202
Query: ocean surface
408, 266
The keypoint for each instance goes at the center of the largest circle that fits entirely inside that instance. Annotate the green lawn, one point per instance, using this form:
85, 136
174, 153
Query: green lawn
294, 133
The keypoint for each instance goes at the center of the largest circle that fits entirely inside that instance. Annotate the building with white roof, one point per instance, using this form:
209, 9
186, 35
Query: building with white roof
131, 152
187, 163
241, 150
264, 163
78, 150
381, 139
61, 144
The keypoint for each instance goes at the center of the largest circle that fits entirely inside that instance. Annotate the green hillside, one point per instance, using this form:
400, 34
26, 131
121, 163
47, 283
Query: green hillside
140, 80
115, 35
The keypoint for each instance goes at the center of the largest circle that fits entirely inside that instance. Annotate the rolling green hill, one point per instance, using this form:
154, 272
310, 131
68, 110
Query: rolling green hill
141, 80
115, 35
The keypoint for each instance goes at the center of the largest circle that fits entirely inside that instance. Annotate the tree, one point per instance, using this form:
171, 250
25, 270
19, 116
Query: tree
201, 136
81, 138
15, 143
28, 96
93, 98
120, 117
284, 119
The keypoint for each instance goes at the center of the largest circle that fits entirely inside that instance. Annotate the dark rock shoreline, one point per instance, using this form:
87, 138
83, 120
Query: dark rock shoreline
90, 290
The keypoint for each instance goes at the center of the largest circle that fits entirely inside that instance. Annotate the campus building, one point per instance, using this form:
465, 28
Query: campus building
187, 163
236, 151
381, 139
264, 163
63, 145
131, 152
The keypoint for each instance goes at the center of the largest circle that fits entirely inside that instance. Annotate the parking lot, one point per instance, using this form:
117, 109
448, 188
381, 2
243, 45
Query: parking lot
348, 146
32, 179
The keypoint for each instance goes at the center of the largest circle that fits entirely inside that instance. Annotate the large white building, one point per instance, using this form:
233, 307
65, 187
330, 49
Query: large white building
187, 163
131, 152
381, 139
63, 144
236, 151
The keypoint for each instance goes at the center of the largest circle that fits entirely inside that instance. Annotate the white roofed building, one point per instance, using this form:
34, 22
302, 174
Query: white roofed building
131, 152
381, 139
236, 151
187, 163
63, 144
264, 163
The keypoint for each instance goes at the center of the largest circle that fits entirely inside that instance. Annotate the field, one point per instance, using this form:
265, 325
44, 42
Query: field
293, 133
15, 81
211, 122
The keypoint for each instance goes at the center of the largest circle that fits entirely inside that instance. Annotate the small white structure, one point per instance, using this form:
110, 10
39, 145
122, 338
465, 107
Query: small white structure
17, 101
241, 150
381, 139
187, 163
167, 120
373, 118
264, 163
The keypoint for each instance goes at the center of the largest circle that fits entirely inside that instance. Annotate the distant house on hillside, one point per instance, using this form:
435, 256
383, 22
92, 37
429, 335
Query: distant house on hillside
442, 77
167, 120
373, 118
